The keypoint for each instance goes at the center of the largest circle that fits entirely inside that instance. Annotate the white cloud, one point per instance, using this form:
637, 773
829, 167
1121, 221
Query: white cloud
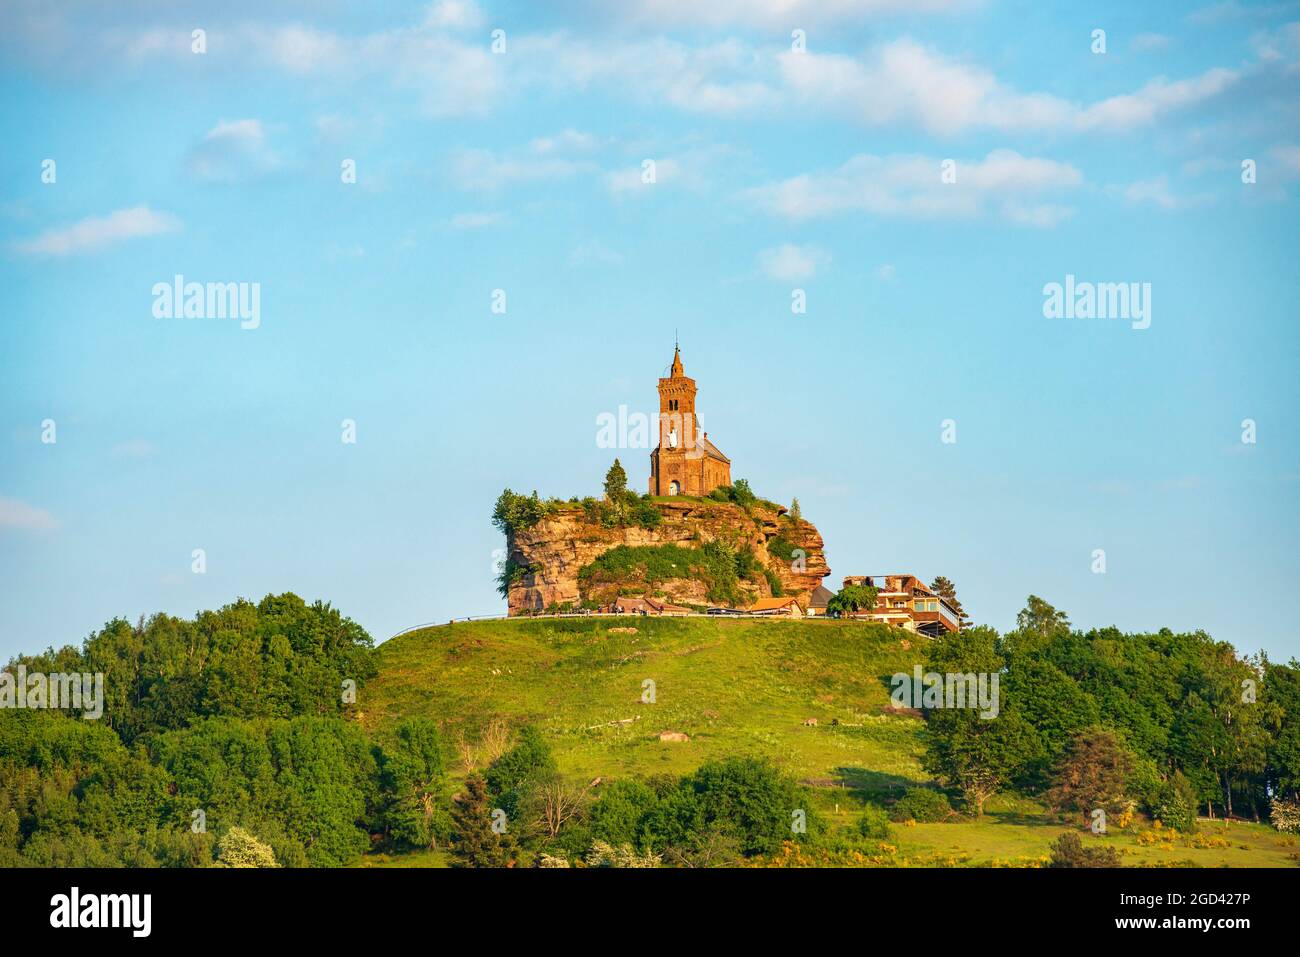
150, 44
786, 14
298, 49
134, 449
16, 514
1153, 100
1154, 191
1157, 192
791, 263
445, 60
333, 128
904, 82
565, 141
630, 180
475, 220
885, 272
95, 232
233, 151
593, 252
1008, 171
545, 158
1282, 44
450, 75
569, 154
1040, 215
727, 77
694, 168
440, 58
1233, 10
236, 131
1287, 159
455, 15
912, 187
489, 171
342, 252
1207, 164
1149, 41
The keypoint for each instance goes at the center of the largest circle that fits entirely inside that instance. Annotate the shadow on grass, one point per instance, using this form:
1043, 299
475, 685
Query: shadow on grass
868, 785
1024, 818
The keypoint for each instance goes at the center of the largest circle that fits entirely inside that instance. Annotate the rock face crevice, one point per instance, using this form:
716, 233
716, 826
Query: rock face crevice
555, 549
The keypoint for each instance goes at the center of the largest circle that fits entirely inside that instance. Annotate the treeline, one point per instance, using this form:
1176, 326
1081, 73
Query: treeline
239, 718
279, 658
517, 809
1169, 724
232, 740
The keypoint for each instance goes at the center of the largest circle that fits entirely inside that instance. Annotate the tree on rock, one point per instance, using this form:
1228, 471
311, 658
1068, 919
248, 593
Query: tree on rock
742, 494
616, 489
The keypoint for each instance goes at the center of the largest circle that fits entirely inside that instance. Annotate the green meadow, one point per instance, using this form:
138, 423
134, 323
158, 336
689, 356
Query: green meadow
740, 687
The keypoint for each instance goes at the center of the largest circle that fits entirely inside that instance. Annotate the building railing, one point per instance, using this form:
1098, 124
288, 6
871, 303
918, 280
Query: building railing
948, 615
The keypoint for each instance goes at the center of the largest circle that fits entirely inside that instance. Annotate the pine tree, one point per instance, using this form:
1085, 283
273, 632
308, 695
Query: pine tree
474, 842
615, 482
795, 514
616, 489
1092, 774
947, 590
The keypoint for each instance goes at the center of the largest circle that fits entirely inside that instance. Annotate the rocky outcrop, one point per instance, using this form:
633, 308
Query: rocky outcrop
553, 551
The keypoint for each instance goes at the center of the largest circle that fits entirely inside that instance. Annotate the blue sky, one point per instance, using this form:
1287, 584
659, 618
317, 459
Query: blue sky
775, 170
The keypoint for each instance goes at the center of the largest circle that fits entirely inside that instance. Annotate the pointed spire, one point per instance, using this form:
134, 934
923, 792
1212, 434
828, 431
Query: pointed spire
677, 372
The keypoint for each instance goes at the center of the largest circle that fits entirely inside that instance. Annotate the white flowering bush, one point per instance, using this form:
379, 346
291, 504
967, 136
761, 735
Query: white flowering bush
1285, 814
606, 855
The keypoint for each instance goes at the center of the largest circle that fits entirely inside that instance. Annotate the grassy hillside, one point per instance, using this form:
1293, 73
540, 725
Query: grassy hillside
737, 686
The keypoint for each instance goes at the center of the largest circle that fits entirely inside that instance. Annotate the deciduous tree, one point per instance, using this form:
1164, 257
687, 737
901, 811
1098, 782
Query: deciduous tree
239, 848
852, 598
967, 750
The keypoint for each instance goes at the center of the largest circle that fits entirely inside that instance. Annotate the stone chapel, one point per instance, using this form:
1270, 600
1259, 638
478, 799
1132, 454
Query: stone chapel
685, 462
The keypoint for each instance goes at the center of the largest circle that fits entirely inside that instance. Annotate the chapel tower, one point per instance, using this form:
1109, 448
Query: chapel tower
685, 462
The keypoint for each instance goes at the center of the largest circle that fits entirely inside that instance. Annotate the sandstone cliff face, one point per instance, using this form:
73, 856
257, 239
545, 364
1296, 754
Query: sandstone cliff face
558, 546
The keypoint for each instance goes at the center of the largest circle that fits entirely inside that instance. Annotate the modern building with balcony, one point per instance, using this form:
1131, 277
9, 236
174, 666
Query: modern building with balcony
907, 602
